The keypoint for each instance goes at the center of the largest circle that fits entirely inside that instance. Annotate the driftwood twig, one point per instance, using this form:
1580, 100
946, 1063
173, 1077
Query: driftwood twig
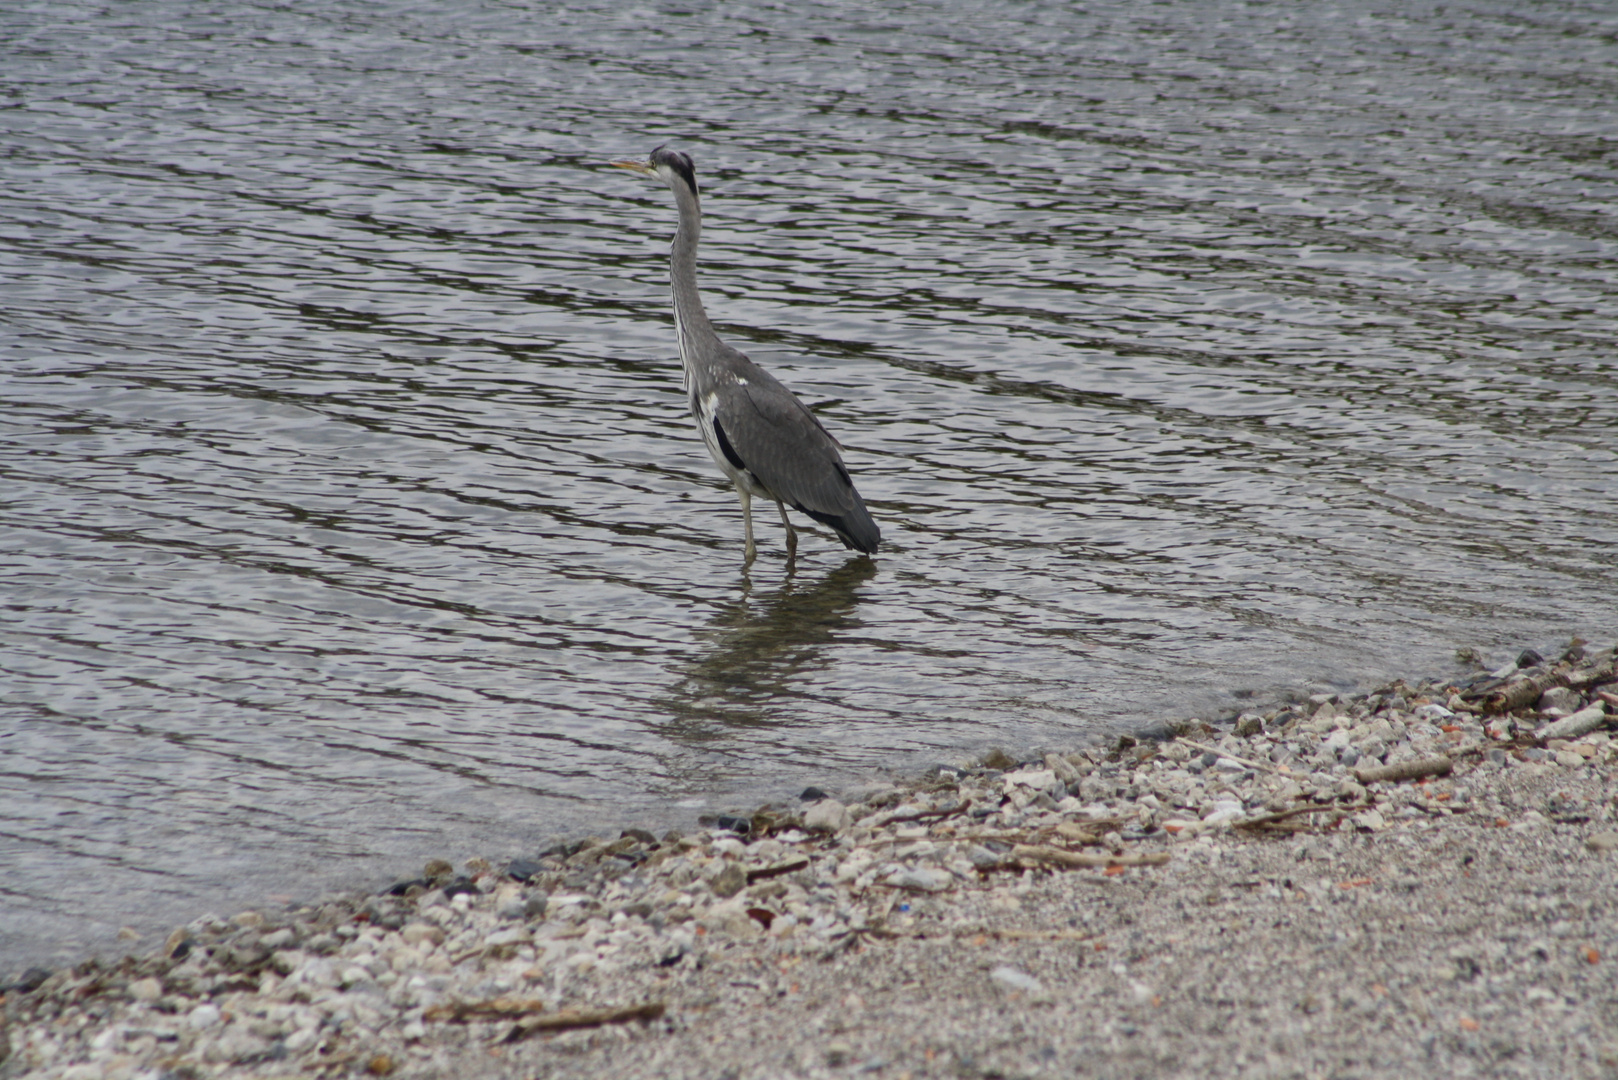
1077, 859
573, 1019
764, 873
483, 1010
1226, 754
928, 815
1282, 815
1405, 770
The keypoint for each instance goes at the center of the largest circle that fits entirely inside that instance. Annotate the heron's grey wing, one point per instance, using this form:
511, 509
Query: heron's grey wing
775, 437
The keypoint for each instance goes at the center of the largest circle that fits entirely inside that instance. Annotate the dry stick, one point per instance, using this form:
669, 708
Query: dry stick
979, 931
1035, 935
1523, 692
572, 1019
467, 1010
1594, 677
1070, 831
1014, 935
1405, 770
1040, 853
1020, 835
1233, 757
479, 950
1295, 811
767, 872
925, 815
1580, 723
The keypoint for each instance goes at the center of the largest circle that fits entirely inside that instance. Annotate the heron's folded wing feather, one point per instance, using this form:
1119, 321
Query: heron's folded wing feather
781, 443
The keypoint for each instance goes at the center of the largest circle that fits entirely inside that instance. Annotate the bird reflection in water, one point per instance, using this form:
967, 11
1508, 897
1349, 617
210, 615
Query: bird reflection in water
758, 646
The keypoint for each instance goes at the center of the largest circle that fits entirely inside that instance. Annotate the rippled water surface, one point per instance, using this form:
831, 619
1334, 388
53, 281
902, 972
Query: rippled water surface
351, 514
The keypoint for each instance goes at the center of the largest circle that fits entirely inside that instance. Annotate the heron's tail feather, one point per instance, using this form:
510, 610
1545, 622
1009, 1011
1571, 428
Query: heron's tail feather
855, 529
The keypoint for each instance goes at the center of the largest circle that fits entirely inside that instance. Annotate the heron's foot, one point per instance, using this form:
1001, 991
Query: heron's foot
749, 553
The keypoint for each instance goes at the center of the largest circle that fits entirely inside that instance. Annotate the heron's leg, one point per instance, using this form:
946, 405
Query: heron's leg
792, 534
750, 552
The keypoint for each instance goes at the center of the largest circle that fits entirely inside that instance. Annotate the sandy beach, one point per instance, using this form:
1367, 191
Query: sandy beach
1418, 880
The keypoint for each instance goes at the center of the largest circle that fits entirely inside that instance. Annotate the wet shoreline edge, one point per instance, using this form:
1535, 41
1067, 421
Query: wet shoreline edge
614, 948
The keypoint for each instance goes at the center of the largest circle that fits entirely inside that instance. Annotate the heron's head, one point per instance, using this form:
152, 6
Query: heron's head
669, 166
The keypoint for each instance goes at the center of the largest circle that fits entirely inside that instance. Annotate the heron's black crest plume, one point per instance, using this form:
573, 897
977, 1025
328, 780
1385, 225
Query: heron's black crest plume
679, 162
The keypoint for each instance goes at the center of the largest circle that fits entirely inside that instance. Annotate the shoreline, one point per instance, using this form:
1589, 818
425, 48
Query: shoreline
1418, 878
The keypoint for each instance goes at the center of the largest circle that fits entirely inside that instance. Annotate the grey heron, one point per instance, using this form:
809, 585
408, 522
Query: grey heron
759, 433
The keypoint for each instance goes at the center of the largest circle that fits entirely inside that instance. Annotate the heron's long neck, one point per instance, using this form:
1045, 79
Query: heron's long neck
691, 321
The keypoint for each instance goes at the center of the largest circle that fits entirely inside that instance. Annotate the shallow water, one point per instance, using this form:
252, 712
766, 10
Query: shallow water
352, 515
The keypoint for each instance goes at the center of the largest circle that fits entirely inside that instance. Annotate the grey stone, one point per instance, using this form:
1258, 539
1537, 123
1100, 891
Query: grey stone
1564, 698
729, 881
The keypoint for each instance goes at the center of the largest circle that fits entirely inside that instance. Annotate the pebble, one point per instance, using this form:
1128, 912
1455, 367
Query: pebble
1016, 979
146, 990
203, 1016
922, 879
417, 932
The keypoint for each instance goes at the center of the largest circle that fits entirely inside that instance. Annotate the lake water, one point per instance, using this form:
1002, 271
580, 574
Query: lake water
351, 514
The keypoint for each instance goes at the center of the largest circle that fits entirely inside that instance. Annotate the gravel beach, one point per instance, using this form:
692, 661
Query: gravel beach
1420, 880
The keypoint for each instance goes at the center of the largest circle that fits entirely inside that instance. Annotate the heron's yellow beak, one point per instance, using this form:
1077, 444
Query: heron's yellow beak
635, 166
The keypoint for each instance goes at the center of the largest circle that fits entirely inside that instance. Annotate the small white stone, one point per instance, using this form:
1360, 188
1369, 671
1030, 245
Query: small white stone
416, 933
923, 879
1038, 779
354, 974
203, 1016
1370, 820
1015, 978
